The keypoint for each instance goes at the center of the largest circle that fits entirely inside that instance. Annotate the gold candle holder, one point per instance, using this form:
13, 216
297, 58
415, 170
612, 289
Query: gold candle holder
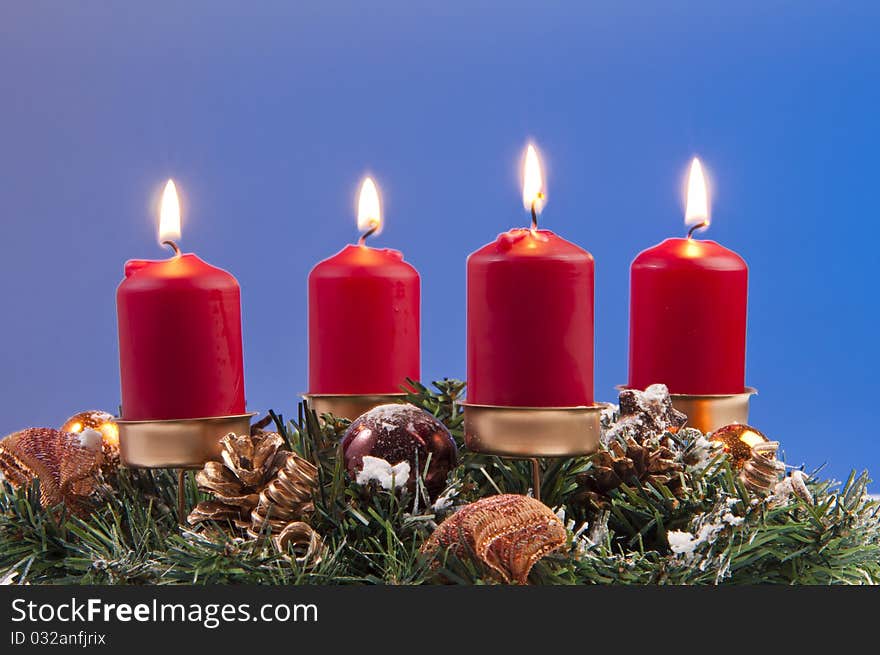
350, 406
708, 412
532, 432
182, 444
177, 443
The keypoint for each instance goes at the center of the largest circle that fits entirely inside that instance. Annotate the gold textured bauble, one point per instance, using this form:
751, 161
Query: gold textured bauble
105, 424
507, 534
66, 464
737, 440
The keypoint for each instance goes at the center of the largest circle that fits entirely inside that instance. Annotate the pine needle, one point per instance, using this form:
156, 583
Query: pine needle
373, 536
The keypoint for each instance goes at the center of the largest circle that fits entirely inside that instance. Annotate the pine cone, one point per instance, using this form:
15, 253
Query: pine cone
249, 463
645, 414
628, 463
287, 498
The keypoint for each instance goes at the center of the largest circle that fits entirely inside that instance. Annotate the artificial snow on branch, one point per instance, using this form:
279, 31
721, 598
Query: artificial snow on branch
658, 504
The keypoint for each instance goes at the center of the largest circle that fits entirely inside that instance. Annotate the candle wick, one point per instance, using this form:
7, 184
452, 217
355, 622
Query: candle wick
696, 227
173, 247
364, 236
534, 216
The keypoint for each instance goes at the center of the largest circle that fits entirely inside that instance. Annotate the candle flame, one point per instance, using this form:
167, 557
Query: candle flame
369, 215
169, 214
534, 194
697, 212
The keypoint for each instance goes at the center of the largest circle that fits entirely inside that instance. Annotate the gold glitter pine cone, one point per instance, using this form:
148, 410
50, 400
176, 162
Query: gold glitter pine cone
249, 463
287, 498
67, 465
625, 463
507, 534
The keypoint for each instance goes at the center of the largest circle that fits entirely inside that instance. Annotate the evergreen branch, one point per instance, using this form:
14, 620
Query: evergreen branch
373, 536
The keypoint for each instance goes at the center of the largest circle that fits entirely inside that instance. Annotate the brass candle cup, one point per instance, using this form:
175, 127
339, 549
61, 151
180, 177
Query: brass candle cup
708, 412
349, 406
177, 443
532, 431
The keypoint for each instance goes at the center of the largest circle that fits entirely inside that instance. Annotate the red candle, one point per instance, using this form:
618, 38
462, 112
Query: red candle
530, 315
363, 315
179, 335
688, 310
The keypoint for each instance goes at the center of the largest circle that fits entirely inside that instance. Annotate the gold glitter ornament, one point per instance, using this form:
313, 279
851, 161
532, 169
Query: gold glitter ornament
507, 533
66, 464
100, 421
737, 441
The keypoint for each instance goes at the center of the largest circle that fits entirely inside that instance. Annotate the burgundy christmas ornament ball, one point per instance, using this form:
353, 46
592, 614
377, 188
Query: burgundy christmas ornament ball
398, 433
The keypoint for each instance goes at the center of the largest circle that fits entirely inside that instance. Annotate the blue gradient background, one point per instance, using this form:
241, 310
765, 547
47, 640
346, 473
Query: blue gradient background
267, 116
